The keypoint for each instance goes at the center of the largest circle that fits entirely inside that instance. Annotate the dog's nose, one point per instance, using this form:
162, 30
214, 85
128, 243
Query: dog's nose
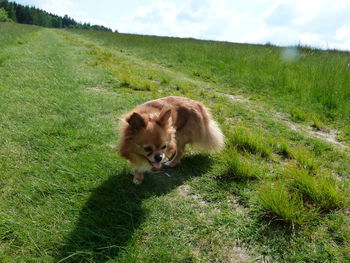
158, 157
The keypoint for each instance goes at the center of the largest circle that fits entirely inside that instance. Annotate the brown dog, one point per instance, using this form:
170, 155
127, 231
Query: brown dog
157, 129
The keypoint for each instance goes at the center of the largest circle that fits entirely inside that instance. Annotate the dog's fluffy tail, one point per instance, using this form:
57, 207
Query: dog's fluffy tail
213, 139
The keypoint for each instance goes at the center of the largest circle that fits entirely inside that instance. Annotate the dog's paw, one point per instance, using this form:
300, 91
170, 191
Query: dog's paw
170, 164
167, 164
137, 181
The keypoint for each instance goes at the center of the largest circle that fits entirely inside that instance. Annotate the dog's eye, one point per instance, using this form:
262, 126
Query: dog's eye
148, 149
163, 147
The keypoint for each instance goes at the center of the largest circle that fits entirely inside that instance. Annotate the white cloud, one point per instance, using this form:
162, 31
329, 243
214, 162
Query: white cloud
321, 23
342, 35
67, 7
313, 22
61, 7
284, 22
210, 19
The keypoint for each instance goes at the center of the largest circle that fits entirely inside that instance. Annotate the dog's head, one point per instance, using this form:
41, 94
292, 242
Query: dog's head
152, 135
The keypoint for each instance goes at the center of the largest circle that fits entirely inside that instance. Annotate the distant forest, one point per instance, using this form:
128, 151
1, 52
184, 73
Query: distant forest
34, 16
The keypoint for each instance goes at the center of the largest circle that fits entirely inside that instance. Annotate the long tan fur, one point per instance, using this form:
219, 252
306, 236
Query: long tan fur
159, 128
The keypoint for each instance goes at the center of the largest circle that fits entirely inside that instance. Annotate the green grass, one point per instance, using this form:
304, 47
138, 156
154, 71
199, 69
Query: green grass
244, 139
318, 125
305, 158
322, 190
68, 197
12, 33
235, 167
281, 205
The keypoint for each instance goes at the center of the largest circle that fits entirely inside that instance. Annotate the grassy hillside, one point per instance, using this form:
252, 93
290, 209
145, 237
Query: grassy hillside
279, 192
305, 82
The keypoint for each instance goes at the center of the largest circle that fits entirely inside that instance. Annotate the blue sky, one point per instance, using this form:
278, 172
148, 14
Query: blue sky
319, 23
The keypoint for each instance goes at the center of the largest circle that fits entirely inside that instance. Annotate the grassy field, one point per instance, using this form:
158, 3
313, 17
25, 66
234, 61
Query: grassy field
279, 192
310, 84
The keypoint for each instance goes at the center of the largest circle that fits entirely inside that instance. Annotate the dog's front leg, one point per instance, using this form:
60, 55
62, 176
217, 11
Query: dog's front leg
178, 155
138, 177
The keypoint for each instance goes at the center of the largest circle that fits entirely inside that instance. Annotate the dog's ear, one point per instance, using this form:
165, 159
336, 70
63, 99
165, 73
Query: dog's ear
136, 121
164, 116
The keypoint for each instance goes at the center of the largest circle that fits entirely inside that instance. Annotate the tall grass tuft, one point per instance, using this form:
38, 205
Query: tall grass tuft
321, 190
317, 124
234, 166
282, 148
305, 158
279, 204
244, 139
298, 115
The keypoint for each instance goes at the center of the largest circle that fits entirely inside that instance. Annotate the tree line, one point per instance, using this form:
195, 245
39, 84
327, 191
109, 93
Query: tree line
35, 16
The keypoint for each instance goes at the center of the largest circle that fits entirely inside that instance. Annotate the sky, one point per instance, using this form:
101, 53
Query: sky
318, 23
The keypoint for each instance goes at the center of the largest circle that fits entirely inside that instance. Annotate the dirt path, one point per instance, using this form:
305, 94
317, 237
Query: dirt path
328, 136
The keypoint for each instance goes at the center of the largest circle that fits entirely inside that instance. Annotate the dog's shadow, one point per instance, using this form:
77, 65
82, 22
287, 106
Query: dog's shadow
114, 211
